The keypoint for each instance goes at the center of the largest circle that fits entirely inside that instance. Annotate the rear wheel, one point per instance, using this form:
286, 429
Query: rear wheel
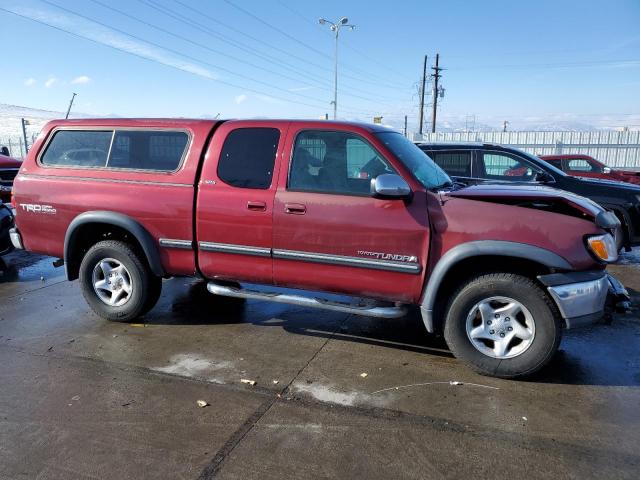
116, 283
503, 325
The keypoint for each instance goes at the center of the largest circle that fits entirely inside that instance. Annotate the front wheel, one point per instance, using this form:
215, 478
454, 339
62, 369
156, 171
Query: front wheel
116, 283
502, 325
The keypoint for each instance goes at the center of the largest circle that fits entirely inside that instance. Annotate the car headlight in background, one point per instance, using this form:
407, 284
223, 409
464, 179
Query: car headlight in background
603, 247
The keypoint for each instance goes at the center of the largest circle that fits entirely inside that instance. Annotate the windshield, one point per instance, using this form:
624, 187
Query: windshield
423, 168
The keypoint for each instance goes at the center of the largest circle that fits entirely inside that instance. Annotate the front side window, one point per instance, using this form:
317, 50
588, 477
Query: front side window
499, 166
78, 148
334, 162
153, 150
454, 163
248, 156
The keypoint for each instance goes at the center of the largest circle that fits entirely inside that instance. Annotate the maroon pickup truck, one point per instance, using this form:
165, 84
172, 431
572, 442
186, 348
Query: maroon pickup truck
580, 165
325, 207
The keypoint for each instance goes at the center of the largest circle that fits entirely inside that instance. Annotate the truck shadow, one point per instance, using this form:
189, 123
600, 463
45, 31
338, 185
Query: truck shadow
605, 355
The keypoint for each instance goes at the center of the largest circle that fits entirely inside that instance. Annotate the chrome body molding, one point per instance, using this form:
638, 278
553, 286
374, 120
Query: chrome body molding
404, 267
239, 249
173, 243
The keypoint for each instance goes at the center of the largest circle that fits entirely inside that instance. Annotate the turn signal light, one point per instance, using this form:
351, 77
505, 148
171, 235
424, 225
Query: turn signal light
603, 247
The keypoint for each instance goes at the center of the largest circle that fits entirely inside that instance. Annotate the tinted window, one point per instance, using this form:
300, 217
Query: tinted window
335, 162
148, 150
248, 156
454, 163
501, 166
78, 148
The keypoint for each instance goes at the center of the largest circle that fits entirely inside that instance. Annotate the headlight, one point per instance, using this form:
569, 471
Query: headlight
603, 247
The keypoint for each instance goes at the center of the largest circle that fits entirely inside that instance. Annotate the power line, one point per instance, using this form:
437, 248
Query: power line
346, 44
634, 61
84, 37
183, 19
296, 40
201, 45
176, 52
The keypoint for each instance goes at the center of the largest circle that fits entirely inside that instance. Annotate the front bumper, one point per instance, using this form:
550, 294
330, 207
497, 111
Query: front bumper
583, 297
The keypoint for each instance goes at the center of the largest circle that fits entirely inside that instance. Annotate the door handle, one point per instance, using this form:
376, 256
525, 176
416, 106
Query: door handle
257, 206
295, 208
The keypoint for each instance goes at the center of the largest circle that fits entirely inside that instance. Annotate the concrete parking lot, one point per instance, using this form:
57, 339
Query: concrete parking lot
336, 396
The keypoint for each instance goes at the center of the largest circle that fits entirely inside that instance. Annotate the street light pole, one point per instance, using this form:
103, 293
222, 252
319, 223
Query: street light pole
335, 27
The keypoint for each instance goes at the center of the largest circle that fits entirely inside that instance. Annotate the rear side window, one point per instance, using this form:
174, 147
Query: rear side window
454, 163
148, 150
154, 150
248, 156
77, 148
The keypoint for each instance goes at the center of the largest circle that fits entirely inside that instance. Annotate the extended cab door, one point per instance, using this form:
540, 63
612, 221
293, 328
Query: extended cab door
234, 211
330, 234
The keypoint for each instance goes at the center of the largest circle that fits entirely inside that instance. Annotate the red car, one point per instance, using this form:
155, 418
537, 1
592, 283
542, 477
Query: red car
8, 170
328, 207
586, 166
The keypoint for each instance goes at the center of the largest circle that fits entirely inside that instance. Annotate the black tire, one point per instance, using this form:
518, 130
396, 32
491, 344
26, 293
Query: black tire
548, 324
145, 286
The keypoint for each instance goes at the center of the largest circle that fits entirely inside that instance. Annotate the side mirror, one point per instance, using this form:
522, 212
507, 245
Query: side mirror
390, 185
606, 170
544, 177
4, 151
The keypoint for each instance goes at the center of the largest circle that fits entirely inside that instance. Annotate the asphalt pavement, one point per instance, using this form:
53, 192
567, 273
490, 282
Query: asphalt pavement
335, 395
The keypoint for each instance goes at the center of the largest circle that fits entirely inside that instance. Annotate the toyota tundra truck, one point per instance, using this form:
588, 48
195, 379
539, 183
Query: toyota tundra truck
290, 210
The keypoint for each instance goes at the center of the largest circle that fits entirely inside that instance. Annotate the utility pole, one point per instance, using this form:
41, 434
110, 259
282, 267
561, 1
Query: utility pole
436, 77
335, 27
405, 126
24, 135
70, 104
424, 80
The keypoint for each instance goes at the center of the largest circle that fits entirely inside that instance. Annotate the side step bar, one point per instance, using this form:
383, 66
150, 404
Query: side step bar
367, 310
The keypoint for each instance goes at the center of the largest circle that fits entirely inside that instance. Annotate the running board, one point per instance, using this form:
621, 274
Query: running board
369, 311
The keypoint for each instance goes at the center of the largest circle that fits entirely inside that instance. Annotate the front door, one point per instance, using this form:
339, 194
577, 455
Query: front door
235, 201
330, 234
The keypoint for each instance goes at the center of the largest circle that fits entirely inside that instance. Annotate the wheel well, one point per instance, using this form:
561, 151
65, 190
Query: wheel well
87, 235
474, 266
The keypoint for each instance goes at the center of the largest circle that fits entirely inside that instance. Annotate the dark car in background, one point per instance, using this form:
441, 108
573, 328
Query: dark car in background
585, 166
6, 223
474, 163
8, 170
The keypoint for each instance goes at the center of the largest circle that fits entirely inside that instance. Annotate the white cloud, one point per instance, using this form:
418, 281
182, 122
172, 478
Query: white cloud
241, 98
50, 82
82, 79
30, 82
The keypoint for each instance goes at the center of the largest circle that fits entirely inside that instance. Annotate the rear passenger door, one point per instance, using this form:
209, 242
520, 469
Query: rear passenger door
235, 201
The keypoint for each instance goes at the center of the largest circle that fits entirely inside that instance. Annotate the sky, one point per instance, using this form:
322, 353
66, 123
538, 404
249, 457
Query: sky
537, 61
